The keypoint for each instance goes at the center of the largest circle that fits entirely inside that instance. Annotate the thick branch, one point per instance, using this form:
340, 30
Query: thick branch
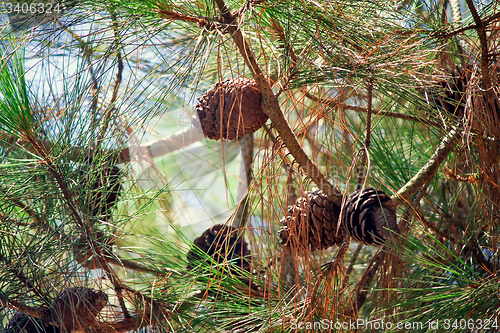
428, 170
481, 31
271, 107
157, 148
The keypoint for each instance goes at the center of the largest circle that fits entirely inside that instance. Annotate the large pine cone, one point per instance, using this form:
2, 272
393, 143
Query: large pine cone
230, 110
367, 215
312, 221
23, 323
222, 244
77, 307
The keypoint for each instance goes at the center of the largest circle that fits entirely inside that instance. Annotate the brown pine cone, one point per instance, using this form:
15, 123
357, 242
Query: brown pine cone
311, 222
230, 110
77, 307
450, 95
107, 189
23, 323
222, 244
367, 215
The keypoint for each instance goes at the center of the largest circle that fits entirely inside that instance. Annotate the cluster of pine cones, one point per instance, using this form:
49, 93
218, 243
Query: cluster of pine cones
368, 216
73, 309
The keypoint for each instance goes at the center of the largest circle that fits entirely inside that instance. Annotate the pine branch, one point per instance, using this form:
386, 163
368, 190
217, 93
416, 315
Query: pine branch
246, 144
113, 277
481, 31
118, 80
156, 148
172, 15
428, 170
271, 107
490, 19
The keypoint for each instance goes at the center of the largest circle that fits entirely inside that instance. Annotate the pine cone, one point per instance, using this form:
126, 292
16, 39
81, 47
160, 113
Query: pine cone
222, 244
107, 188
312, 221
450, 95
367, 215
230, 110
77, 307
23, 323
104, 193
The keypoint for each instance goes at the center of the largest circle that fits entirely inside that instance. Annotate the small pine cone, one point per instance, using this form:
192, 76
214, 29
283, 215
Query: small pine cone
367, 215
312, 221
230, 110
222, 244
450, 94
107, 188
23, 323
77, 307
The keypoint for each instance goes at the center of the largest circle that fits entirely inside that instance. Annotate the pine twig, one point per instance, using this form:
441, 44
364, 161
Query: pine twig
364, 159
246, 144
330, 102
354, 258
428, 170
485, 22
118, 78
361, 289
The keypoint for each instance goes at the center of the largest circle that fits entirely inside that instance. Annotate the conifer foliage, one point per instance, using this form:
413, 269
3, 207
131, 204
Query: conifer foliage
190, 166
